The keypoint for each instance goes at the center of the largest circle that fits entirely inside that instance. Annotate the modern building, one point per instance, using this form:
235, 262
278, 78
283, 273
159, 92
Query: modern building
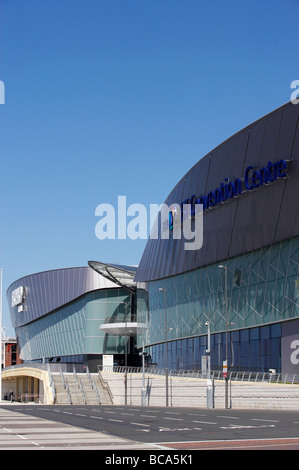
244, 280
64, 315
241, 284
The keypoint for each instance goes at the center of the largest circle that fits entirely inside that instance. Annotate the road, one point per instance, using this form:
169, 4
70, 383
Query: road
130, 427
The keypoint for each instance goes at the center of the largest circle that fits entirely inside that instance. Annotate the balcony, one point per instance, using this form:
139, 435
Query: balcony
122, 326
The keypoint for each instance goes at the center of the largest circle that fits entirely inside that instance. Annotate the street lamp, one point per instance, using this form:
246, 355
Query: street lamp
209, 381
224, 266
126, 304
162, 289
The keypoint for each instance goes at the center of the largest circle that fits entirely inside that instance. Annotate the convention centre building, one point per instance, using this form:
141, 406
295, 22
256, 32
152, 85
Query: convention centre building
241, 284
63, 316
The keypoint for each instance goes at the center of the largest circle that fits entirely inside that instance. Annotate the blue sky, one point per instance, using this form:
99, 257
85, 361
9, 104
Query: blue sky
122, 97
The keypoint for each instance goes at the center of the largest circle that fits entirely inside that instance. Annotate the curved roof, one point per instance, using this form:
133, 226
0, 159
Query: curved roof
242, 222
41, 293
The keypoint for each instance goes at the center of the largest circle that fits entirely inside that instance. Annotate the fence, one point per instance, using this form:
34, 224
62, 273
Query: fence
188, 388
271, 377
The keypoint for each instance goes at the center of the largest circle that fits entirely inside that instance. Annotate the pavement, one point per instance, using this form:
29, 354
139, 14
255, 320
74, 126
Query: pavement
18, 431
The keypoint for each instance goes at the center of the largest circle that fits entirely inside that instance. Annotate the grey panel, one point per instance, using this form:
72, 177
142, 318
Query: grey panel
289, 208
247, 222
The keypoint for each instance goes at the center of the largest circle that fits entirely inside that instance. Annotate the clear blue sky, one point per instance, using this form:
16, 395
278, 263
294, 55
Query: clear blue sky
122, 97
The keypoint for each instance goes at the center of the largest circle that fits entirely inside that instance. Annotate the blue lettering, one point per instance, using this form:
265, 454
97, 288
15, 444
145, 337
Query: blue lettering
255, 179
237, 186
218, 196
228, 190
211, 198
264, 175
282, 165
246, 178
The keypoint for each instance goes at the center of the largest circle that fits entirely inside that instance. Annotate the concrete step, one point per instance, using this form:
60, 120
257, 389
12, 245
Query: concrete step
77, 397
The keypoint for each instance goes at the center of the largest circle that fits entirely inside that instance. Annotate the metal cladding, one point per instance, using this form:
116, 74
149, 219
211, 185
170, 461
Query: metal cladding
46, 291
249, 188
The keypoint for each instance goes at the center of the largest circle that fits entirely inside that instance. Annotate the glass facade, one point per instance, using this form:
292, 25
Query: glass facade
261, 290
255, 349
74, 329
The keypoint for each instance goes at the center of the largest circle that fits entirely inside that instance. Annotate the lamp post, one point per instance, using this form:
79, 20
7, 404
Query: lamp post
162, 289
224, 266
126, 304
210, 398
143, 391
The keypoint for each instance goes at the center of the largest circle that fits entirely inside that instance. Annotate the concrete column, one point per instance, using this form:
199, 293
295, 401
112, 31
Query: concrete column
36, 389
17, 387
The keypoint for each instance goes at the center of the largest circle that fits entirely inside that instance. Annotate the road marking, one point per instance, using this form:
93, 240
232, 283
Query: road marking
117, 420
8, 430
174, 429
228, 417
174, 419
267, 420
202, 422
141, 424
240, 426
149, 416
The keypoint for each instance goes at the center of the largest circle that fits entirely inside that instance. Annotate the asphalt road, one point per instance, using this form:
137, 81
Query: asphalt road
178, 428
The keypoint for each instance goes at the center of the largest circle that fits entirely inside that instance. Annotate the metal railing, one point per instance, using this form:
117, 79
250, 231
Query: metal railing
93, 385
121, 319
66, 386
270, 377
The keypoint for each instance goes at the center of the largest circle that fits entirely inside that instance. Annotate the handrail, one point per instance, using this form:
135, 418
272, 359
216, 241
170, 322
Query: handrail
121, 319
66, 386
105, 384
89, 377
242, 376
95, 388
82, 391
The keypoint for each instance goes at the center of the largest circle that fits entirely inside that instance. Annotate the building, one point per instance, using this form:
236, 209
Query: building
242, 284
10, 354
63, 316
244, 280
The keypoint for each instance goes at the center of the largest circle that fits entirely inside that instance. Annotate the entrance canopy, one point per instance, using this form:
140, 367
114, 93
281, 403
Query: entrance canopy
120, 274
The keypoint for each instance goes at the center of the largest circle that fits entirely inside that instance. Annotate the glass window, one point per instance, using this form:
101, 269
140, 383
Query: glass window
254, 354
265, 332
254, 333
235, 336
276, 330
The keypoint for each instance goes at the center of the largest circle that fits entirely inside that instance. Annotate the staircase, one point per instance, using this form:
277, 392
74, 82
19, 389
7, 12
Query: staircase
80, 389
